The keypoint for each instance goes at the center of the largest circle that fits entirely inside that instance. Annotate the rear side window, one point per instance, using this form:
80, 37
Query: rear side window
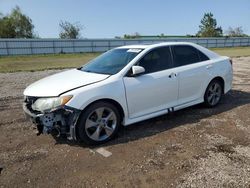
156, 60
202, 56
184, 55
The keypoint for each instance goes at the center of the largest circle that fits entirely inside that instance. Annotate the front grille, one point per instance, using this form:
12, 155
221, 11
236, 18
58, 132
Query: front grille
28, 100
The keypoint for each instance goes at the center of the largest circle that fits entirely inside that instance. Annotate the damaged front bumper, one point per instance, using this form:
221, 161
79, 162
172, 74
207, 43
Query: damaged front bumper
59, 121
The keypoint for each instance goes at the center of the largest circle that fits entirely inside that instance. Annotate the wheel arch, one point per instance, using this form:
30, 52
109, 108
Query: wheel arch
77, 126
205, 96
221, 80
112, 101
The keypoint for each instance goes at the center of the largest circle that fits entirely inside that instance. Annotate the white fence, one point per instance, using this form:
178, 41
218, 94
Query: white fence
54, 46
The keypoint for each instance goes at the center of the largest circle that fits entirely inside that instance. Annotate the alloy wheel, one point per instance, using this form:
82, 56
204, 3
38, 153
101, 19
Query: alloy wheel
100, 124
214, 93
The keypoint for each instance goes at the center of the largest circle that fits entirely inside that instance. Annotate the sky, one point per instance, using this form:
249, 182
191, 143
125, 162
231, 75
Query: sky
110, 18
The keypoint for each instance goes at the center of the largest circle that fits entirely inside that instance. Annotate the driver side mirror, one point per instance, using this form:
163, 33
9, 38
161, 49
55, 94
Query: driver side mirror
137, 70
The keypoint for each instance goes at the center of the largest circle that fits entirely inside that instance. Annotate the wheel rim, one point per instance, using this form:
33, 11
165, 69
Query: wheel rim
214, 94
101, 124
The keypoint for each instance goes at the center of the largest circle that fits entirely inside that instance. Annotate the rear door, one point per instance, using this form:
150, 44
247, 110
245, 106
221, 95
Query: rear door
156, 89
192, 68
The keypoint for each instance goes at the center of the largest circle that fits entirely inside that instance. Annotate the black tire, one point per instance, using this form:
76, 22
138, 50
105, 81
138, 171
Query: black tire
213, 93
103, 129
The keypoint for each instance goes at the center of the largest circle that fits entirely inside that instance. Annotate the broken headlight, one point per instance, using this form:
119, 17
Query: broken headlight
50, 103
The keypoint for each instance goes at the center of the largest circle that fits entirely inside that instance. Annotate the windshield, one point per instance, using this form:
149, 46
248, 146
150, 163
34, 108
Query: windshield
112, 61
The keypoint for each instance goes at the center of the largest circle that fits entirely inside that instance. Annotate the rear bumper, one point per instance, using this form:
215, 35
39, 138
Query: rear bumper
61, 121
228, 81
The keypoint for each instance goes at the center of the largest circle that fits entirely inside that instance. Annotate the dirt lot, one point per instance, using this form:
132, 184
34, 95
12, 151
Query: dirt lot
194, 147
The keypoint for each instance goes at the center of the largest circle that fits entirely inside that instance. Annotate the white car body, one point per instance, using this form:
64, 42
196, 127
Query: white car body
140, 97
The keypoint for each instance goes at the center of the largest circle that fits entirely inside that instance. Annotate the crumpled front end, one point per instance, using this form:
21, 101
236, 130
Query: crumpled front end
58, 121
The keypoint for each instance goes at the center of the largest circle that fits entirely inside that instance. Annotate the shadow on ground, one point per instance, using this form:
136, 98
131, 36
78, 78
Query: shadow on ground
233, 99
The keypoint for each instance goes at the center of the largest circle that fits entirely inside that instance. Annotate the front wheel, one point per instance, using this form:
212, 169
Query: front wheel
213, 93
98, 123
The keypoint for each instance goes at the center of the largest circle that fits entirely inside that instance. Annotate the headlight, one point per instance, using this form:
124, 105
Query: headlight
45, 104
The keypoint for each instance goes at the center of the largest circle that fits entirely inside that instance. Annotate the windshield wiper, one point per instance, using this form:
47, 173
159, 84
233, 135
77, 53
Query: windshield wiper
80, 69
87, 71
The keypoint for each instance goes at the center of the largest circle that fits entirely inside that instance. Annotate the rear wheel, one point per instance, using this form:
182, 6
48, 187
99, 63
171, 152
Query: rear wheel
213, 93
99, 123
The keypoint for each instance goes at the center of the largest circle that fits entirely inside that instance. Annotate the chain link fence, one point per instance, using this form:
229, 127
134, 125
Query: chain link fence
55, 46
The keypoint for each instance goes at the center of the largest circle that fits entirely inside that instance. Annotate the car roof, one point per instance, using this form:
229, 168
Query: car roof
152, 45
209, 53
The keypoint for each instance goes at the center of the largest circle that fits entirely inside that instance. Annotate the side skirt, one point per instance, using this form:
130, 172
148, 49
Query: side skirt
161, 112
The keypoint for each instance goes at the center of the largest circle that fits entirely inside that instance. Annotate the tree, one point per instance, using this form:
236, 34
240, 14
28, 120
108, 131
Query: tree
235, 32
126, 36
16, 25
70, 30
162, 35
132, 36
6, 28
208, 27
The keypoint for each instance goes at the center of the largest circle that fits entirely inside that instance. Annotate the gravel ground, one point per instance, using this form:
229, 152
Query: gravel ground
194, 147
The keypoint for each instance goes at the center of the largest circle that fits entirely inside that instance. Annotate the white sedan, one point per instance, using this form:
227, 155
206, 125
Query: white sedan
126, 85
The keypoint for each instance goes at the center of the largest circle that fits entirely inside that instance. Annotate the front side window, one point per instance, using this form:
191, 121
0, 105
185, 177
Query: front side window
184, 55
111, 62
156, 60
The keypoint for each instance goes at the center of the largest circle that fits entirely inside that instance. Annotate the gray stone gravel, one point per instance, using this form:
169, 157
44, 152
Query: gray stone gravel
194, 147
12, 84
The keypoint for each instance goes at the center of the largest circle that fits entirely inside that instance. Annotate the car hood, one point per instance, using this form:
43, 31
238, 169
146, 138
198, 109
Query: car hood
62, 82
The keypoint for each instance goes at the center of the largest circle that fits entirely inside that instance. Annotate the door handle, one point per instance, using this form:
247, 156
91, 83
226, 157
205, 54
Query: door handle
209, 66
172, 75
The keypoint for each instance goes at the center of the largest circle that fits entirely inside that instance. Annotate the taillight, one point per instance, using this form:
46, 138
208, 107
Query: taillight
231, 61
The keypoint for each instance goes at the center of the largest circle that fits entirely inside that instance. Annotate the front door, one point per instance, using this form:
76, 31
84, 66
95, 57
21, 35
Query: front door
156, 89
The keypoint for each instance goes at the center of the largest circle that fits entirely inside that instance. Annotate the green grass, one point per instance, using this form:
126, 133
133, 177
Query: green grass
61, 61
233, 52
44, 62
